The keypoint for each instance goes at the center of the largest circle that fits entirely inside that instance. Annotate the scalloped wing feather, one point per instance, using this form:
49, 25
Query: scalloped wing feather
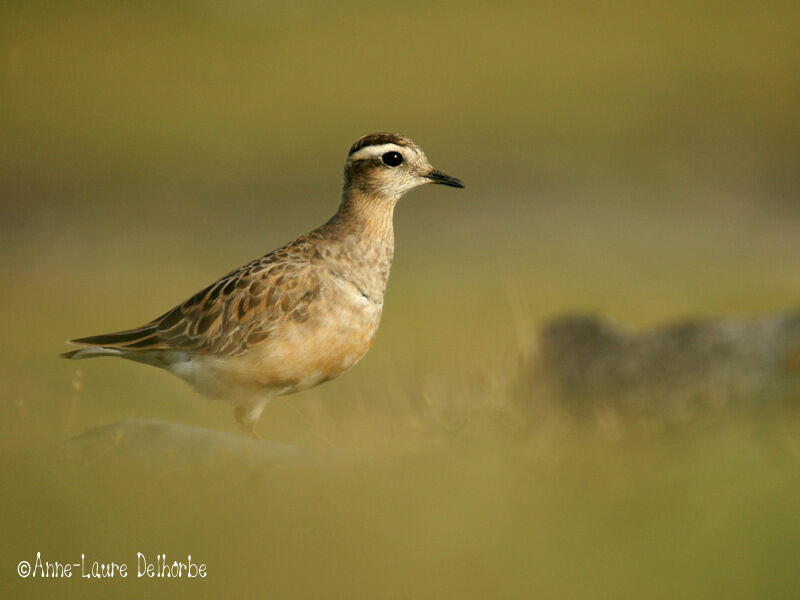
233, 314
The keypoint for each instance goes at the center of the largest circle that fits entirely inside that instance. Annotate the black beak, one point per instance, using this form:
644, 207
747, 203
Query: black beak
439, 177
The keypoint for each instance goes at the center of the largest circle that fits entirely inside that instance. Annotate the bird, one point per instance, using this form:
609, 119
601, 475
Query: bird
298, 316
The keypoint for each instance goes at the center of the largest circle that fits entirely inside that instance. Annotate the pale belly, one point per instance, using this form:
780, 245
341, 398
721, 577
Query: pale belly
297, 356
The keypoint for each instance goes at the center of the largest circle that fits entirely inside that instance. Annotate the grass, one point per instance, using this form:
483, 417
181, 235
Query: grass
491, 510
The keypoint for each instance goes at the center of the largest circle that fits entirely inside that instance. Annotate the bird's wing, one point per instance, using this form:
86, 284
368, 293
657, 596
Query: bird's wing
231, 315
240, 310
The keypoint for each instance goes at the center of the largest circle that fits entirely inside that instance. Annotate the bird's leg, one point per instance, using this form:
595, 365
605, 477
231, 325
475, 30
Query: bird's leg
251, 431
247, 416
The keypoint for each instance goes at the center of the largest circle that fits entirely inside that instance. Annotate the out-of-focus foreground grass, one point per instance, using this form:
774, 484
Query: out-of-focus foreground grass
633, 159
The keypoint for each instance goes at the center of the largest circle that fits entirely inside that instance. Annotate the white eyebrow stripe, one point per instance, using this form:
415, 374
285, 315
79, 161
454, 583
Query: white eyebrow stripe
371, 151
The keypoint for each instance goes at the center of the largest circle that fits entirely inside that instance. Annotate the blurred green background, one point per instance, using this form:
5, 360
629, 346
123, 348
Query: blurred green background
637, 159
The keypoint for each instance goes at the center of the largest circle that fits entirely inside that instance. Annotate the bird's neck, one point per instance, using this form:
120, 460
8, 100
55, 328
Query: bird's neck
363, 229
368, 217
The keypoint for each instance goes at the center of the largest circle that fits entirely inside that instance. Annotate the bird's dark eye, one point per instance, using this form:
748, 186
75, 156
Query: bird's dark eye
392, 159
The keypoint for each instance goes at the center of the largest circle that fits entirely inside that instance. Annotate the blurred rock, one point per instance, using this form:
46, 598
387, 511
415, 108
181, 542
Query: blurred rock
588, 364
152, 442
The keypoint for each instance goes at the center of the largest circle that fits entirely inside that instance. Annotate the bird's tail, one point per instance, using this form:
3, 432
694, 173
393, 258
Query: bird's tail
91, 352
141, 345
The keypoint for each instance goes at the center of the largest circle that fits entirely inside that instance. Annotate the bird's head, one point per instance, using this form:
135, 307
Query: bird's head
387, 165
